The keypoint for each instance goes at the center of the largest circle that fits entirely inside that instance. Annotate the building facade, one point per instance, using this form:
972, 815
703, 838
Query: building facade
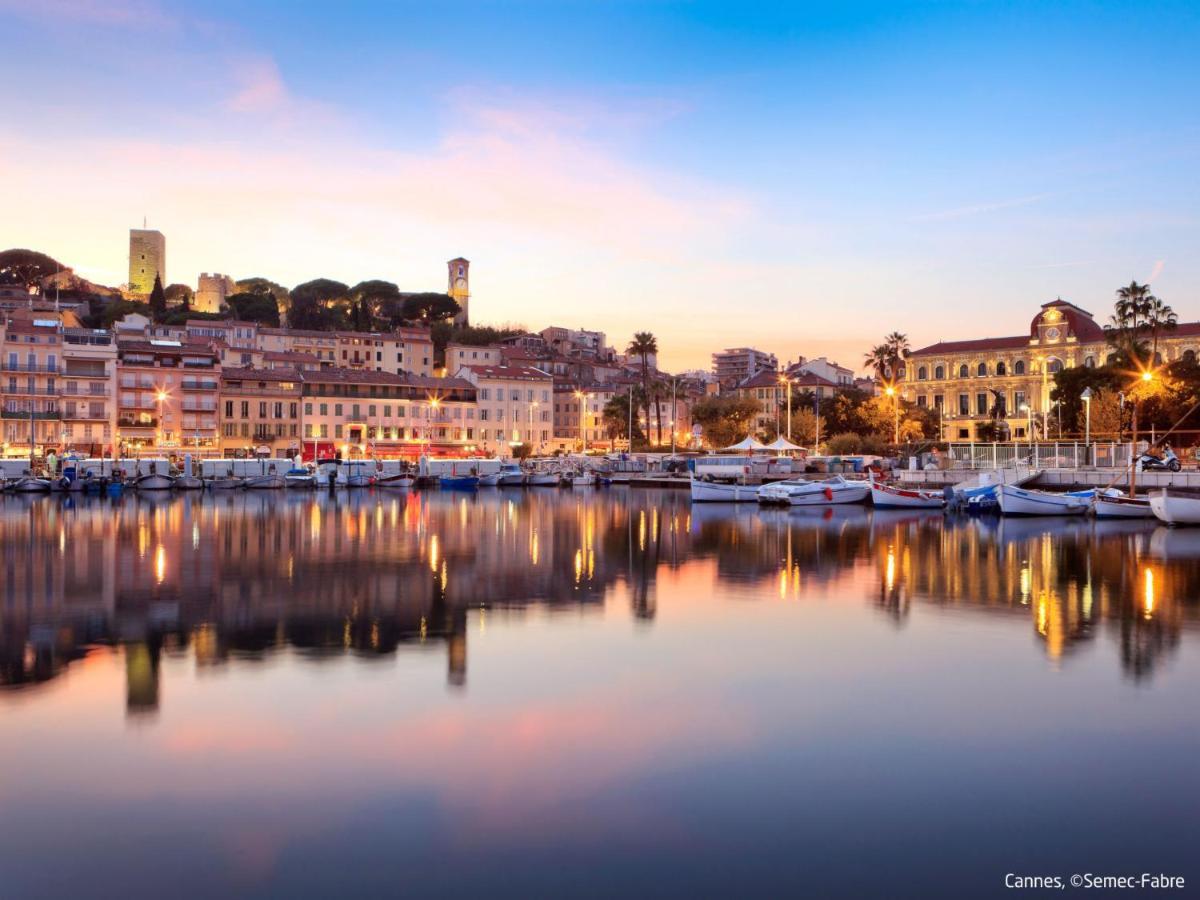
260, 412
733, 366
167, 395
458, 272
515, 406
211, 291
1007, 380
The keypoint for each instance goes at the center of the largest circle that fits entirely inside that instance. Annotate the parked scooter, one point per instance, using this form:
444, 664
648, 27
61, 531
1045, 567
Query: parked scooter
1168, 462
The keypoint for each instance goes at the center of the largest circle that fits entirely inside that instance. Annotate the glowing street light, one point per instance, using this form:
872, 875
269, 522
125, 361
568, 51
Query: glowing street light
890, 390
161, 396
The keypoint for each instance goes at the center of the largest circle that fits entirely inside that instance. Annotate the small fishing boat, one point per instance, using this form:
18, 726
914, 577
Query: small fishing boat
1106, 507
886, 496
1175, 510
271, 480
229, 482
584, 479
800, 492
153, 481
30, 484
509, 475
458, 482
357, 474
299, 478
396, 481
187, 479
542, 479
705, 490
1018, 501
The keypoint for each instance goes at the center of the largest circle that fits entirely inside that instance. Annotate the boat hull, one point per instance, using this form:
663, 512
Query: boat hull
1175, 510
29, 485
154, 483
1015, 501
1121, 508
458, 482
225, 484
396, 482
723, 492
831, 496
515, 479
265, 483
359, 481
188, 483
300, 482
542, 479
887, 497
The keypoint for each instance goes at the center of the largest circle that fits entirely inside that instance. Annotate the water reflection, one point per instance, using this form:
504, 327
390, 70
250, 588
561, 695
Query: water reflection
245, 575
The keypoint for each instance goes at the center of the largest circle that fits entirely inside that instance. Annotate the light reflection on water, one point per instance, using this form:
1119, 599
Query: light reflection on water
302, 694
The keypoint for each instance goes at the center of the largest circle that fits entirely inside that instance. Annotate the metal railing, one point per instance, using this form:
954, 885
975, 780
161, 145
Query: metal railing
1056, 455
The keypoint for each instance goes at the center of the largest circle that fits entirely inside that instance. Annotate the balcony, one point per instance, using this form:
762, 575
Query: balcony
140, 422
27, 415
7, 366
85, 415
193, 385
27, 391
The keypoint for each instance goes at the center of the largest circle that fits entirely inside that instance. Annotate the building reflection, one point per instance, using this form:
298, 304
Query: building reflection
246, 576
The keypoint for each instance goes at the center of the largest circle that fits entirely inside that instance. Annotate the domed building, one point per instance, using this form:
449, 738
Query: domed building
1009, 379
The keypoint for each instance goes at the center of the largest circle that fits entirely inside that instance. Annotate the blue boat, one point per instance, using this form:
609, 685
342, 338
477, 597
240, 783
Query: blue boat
458, 482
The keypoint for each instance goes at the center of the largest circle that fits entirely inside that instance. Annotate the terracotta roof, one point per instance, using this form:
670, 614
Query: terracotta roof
942, 348
810, 379
762, 378
251, 374
510, 372
354, 376
289, 356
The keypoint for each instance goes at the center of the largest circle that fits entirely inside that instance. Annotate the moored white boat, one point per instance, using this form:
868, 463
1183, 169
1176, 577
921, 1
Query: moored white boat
1175, 510
154, 481
358, 474
299, 478
30, 484
704, 491
542, 479
799, 492
399, 480
886, 496
271, 480
583, 479
1105, 507
188, 483
508, 475
1017, 501
225, 483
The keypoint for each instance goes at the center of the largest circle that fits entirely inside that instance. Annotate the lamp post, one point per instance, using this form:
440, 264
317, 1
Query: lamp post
579, 395
674, 385
160, 396
891, 392
1086, 397
786, 380
1025, 408
1147, 377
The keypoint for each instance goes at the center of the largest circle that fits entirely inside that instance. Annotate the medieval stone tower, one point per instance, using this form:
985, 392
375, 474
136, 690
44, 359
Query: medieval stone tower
459, 288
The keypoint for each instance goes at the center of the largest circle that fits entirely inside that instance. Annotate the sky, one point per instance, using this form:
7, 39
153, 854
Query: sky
801, 178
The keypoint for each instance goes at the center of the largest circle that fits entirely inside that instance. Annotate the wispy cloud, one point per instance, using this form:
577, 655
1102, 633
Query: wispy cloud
136, 14
963, 212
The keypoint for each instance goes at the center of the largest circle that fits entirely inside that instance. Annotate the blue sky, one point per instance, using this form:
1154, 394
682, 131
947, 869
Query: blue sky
799, 177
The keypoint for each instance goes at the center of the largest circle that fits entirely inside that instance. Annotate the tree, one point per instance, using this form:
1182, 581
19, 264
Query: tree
429, 307
897, 352
158, 300
312, 304
725, 420
877, 360
27, 268
248, 307
616, 419
644, 345
179, 295
1069, 385
1130, 321
376, 303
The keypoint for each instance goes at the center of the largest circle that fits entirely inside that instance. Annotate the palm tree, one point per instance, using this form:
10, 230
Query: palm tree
877, 358
898, 347
1133, 312
1159, 317
644, 345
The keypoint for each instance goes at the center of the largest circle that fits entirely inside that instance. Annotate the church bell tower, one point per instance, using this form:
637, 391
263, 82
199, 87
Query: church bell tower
459, 288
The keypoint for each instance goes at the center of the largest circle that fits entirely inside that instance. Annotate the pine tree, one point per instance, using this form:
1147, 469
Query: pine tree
158, 300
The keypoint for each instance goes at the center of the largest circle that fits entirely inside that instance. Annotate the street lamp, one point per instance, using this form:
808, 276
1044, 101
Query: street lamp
890, 390
1086, 397
785, 379
161, 397
581, 396
1025, 408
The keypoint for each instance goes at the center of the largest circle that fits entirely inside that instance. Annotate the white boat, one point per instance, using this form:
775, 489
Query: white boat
542, 479
705, 491
584, 479
357, 474
1018, 501
832, 491
400, 480
225, 483
508, 475
299, 478
271, 480
30, 484
1175, 510
188, 483
154, 481
1120, 507
886, 496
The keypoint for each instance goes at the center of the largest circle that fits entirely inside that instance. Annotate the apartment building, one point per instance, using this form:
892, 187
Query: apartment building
515, 406
31, 364
403, 350
356, 412
260, 411
459, 355
88, 404
321, 344
733, 366
579, 408
167, 395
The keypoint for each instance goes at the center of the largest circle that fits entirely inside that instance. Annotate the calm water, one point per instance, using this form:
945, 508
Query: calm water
548, 692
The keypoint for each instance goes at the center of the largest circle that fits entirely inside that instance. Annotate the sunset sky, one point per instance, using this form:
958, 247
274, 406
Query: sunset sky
799, 177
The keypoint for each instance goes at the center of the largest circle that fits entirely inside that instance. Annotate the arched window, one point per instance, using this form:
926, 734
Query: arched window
922, 373
1110, 359
1189, 357
982, 370
1090, 362
1053, 365
963, 371
1000, 370
939, 372
1019, 367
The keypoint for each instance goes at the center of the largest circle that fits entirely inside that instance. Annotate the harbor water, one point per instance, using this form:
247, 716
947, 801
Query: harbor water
586, 693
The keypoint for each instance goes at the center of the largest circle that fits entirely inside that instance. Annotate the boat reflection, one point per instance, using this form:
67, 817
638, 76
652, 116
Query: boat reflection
246, 575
